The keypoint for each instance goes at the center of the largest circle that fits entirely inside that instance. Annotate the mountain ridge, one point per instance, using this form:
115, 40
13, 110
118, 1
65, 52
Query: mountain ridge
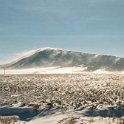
50, 57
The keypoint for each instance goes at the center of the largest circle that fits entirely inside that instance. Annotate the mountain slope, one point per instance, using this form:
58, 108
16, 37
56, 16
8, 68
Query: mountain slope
50, 57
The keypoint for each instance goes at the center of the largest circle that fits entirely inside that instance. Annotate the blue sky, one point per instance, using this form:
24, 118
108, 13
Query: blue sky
93, 26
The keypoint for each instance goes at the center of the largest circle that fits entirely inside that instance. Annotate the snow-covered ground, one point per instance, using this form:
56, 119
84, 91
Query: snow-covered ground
53, 117
45, 70
74, 118
54, 70
86, 98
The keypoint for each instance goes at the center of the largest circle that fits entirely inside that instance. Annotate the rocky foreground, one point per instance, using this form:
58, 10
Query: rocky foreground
89, 94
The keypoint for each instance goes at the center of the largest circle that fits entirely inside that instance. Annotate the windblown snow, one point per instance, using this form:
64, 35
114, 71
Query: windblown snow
62, 87
53, 57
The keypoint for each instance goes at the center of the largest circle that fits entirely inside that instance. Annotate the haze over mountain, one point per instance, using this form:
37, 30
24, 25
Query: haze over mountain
52, 57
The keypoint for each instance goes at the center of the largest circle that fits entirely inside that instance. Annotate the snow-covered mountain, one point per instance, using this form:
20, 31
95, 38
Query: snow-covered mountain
51, 57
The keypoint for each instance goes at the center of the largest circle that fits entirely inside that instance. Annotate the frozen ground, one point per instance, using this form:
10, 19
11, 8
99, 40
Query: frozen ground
86, 98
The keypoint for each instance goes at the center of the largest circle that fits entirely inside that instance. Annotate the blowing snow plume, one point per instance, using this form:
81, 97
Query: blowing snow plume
53, 57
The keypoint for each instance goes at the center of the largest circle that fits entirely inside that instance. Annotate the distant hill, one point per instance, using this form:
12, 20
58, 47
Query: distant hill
50, 57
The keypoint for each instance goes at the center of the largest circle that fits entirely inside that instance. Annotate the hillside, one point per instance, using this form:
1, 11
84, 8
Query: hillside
51, 57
